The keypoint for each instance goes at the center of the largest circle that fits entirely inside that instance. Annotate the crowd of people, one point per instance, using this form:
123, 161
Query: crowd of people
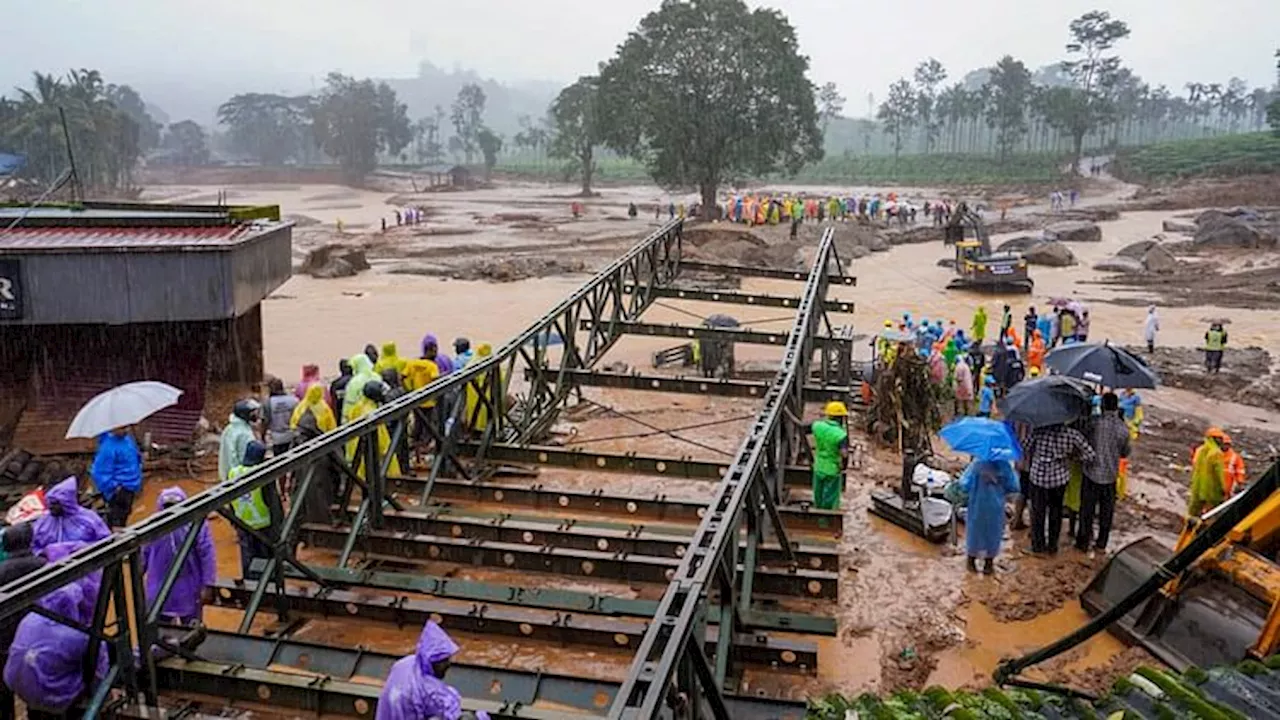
754, 209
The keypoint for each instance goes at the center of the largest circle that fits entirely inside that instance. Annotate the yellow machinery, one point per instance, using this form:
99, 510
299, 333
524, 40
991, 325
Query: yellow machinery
977, 267
1223, 608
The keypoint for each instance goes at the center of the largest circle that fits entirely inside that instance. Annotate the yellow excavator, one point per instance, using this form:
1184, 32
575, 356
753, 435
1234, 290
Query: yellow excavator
1219, 599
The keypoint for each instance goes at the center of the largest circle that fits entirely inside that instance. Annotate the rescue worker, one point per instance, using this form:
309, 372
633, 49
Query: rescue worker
987, 398
1036, 351
117, 473
1234, 476
362, 373
373, 394
1208, 474
830, 455
390, 358
237, 435
1131, 406
194, 585
979, 327
1215, 342
66, 520
415, 688
259, 510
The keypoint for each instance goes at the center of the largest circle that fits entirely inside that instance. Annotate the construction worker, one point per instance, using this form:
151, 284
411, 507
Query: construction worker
1208, 474
1215, 342
258, 510
1234, 479
830, 455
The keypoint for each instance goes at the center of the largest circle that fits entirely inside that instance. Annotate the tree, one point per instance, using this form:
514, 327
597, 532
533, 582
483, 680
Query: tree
830, 104
1273, 110
929, 75
188, 143
266, 127
707, 90
576, 129
129, 102
1086, 106
898, 113
467, 116
354, 120
490, 144
1010, 87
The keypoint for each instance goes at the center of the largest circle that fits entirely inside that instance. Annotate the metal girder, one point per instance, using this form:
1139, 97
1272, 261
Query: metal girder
761, 272
402, 547
568, 533
703, 386
737, 298
551, 599
738, 335
666, 659
656, 508
512, 621
340, 681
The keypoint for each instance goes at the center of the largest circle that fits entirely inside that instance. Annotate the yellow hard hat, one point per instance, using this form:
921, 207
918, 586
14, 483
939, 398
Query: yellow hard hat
835, 408
888, 323
1035, 371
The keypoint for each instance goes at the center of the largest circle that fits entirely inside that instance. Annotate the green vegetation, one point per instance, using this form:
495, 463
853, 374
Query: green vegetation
1254, 153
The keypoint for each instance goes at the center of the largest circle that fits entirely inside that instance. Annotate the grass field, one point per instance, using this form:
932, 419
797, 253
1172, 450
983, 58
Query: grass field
1231, 155
936, 169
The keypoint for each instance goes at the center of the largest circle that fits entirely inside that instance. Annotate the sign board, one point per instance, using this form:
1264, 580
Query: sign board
11, 290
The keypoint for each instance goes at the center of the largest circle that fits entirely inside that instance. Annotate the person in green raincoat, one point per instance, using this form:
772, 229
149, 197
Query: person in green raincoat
979, 324
830, 454
362, 373
1208, 474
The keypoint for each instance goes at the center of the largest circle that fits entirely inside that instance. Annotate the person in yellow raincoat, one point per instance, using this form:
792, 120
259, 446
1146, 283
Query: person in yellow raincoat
1208, 474
477, 412
979, 326
361, 373
389, 359
313, 403
372, 394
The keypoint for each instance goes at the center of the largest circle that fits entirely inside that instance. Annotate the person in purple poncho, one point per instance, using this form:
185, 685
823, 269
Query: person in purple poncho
431, 351
66, 521
193, 587
415, 688
45, 666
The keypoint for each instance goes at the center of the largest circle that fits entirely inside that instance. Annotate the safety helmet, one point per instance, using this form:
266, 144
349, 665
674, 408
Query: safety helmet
835, 408
246, 409
888, 323
1035, 371
1216, 433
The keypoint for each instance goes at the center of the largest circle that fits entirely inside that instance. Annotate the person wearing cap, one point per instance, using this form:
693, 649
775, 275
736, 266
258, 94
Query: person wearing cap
462, 352
830, 454
415, 688
1208, 473
1234, 476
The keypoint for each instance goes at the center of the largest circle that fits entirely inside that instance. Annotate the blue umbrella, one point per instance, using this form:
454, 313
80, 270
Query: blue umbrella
982, 438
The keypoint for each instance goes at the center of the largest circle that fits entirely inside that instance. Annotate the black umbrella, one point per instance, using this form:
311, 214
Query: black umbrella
1104, 364
1050, 400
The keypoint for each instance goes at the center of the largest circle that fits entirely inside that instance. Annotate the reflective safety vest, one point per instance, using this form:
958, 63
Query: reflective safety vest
251, 508
1213, 340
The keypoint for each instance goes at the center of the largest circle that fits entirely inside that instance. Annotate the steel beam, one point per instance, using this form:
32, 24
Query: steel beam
550, 598
338, 681
401, 547
568, 533
654, 508
737, 298
737, 335
702, 386
761, 272
513, 621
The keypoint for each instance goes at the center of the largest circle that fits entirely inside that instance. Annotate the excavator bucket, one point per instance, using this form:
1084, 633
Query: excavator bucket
1209, 621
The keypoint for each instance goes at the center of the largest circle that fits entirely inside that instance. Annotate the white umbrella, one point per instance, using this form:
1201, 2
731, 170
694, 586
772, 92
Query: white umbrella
120, 406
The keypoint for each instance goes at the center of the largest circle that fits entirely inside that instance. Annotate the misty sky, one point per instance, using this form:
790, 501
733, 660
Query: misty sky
285, 44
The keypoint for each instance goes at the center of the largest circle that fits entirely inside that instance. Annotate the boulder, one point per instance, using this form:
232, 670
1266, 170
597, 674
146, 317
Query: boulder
1138, 249
857, 251
332, 261
1159, 260
1074, 231
1052, 254
1119, 264
878, 244
948, 263
1019, 244
1223, 231
1180, 226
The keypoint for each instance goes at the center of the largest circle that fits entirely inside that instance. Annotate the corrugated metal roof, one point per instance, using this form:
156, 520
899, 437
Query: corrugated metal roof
58, 239
141, 212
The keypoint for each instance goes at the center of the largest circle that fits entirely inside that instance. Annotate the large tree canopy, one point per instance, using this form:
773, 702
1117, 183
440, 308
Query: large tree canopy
266, 127
576, 127
708, 90
354, 120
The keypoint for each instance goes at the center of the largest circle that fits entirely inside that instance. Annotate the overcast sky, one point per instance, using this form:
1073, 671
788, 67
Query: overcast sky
862, 46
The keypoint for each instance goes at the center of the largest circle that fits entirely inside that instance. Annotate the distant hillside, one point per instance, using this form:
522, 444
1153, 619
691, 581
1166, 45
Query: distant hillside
505, 103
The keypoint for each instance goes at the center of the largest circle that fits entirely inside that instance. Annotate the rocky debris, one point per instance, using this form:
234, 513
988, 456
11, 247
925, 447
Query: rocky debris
1180, 226
334, 261
858, 251
877, 243
1232, 229
1074, 231
516, 268
1119, 264
947, 263
1051, 254
1245, 378
1019, 244
1159, 260
1138, 249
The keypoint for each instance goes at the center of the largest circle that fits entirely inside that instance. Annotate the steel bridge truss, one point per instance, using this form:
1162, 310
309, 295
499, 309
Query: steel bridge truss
539, 370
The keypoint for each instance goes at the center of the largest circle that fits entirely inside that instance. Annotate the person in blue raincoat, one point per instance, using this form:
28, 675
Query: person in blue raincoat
117, 473
415, 687
986, 482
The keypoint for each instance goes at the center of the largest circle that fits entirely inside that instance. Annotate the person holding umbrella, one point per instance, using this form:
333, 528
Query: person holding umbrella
117, 473
987, 481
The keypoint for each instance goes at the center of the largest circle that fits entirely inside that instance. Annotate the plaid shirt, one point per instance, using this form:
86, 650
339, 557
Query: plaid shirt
1051, 448
1110, 443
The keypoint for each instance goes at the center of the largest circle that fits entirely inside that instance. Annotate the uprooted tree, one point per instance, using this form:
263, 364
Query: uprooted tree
905, 407
708, 90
